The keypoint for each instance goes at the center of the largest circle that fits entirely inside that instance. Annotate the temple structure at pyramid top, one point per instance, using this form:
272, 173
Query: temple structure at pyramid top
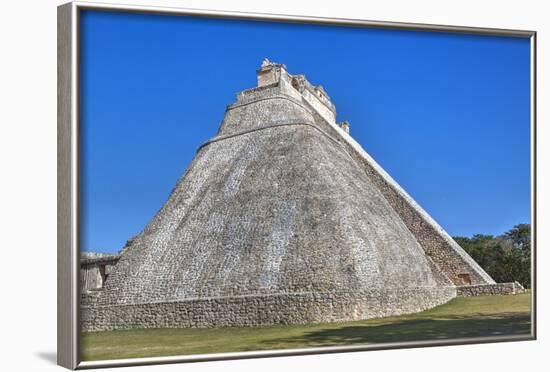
282, 217
272, 73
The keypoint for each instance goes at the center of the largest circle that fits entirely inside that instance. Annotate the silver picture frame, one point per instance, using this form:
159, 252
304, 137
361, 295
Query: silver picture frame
68, 180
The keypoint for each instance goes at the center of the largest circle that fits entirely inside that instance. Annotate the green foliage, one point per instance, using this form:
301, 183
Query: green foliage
520, 236
506, 258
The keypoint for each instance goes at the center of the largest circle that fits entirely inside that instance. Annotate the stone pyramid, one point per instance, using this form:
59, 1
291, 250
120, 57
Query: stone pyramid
282, 217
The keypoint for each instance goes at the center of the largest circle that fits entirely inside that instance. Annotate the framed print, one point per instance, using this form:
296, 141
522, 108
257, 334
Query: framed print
237, 185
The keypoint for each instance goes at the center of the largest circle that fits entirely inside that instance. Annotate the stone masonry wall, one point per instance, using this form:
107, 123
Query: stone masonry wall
291, 308
90, 277
489, 289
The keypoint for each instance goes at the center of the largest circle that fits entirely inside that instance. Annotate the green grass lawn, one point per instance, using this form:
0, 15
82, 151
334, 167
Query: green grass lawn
461, 317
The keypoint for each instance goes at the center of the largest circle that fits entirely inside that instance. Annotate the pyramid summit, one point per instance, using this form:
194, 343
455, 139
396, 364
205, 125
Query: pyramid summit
282, 217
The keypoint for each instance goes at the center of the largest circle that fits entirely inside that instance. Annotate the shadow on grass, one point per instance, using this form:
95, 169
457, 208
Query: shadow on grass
163, 342
412, 330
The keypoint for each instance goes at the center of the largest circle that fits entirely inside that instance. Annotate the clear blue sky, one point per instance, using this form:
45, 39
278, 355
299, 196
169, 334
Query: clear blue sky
446, 115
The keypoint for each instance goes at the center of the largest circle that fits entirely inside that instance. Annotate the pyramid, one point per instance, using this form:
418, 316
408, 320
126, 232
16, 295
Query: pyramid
282, 217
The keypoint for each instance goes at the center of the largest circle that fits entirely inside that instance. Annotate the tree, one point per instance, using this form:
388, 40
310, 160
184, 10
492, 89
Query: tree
520, 235
506, 258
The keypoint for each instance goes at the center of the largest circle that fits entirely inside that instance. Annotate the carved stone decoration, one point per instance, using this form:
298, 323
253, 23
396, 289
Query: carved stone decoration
345, 126
299, 83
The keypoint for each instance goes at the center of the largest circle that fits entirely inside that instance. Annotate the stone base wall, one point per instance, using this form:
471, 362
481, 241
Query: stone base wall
489, 289
89, 298
292, 308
